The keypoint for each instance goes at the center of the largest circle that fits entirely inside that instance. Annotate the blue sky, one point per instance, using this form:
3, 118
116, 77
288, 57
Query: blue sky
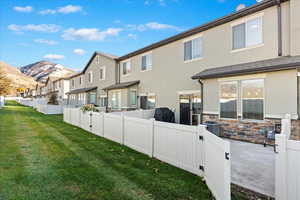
69, 31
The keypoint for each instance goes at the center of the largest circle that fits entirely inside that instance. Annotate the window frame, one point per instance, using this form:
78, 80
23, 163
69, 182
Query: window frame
122, 67
240, 99
148, 67
90, 77
237, 99
103, 73
244, 21
191, 39
105, 101
136, 98
264, 100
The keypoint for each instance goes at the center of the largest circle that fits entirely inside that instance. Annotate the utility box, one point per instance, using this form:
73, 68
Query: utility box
213, 127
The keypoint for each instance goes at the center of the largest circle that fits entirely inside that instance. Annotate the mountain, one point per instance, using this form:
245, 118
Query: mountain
41, 70
19, 80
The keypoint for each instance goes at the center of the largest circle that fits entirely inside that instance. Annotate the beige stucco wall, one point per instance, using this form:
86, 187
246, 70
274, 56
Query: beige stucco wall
170, 74
295, 26
110, 74
280, 93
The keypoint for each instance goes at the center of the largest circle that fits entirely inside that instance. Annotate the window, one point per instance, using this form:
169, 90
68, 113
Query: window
97, 59
133, 96
92, 98
116, 100
247, 34
59, 84
103, 101
102, 73
193, 49
147, 102
253, 99
228, 100
147, 62
73, 82
126, 67
247, 93
90, 77
80, 80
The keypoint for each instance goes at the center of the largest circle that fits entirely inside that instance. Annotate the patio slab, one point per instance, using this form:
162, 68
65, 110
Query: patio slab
253, 167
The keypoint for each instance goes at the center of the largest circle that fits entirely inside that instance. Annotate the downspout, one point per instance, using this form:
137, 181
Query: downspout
279, 13
201, 90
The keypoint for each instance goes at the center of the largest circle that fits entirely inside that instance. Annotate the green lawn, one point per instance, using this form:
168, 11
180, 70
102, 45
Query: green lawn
41, 157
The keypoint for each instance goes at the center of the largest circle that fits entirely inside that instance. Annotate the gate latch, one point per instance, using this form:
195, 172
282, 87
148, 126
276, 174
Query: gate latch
226, 156
201, 167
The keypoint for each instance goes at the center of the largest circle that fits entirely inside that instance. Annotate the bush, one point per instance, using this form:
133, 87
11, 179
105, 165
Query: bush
89, 107
53, 99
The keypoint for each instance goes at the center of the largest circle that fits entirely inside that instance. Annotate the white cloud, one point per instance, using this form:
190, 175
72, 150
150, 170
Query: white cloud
48, 42
47, 11
152, 26
69, 9
49, 28
54, 57
132, 36
25, 9
90, 33
79, 51
63, 10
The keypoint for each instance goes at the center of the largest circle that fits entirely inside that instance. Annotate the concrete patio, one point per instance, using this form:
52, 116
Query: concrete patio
253, 167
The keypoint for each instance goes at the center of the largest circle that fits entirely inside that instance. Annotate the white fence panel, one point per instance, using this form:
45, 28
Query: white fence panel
67, 116
177, 144
75, 116
97, 123
287, 168
85, 120
217, 165
138, 134
113, 127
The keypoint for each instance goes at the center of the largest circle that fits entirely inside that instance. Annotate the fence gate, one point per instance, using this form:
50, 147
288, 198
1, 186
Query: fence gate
217, 165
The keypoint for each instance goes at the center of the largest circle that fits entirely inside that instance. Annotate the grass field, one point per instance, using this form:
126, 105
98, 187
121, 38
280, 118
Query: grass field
41, 157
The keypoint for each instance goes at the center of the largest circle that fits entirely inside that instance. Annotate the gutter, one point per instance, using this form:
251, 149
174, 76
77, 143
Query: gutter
202, 105
279, 13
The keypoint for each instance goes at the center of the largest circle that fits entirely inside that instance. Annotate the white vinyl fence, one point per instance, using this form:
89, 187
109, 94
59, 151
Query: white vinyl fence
49, 109
191, 148
1, 101
287, 173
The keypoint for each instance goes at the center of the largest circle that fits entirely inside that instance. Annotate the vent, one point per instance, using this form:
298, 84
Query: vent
240, 7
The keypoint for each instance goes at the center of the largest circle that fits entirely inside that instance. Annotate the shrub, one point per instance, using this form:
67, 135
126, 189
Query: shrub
89, 107
53, 100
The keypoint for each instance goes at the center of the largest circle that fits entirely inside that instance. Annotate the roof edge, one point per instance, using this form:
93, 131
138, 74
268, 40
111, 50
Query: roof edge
233, 16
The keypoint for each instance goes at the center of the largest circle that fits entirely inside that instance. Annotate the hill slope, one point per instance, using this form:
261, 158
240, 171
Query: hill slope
19, 80
41, 70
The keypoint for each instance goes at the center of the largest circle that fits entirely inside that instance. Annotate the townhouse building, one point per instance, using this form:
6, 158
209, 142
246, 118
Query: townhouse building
99, 73
240, 70
62, 87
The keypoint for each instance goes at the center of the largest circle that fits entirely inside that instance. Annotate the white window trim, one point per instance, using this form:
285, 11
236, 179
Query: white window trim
125, 61
245, 20
240, 98
117, 91
241, 101
104, 73
149, 68
91, 73
237, 100
190, 39
136, 97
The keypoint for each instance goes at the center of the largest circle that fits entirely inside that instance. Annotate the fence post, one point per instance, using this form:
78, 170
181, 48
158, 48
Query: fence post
286, 126
200, 138
91, 121
123, 127
281, 167
103, 115
152, 132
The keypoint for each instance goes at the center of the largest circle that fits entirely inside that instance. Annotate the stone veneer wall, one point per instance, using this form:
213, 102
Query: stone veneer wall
251, 131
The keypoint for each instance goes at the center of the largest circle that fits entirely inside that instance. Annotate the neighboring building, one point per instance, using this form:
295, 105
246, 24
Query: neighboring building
76, 96
240, 70
87, 87
62, 86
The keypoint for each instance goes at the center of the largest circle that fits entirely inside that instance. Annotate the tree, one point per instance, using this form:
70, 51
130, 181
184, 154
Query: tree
53, 100
5, 83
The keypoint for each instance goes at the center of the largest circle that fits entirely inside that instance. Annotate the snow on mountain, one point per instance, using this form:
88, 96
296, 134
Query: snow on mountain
40, 71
